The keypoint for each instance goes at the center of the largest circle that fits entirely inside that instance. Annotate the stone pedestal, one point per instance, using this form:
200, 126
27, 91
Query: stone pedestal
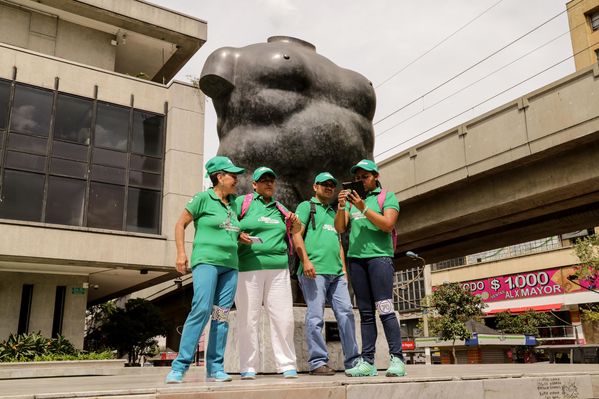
267, 364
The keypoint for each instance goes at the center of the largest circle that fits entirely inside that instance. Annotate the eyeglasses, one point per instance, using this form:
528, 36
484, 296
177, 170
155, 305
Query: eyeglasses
328, 185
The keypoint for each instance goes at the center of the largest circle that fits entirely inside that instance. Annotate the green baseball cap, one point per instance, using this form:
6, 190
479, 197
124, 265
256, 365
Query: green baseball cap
220, 163
261, 171
324, 176
365, 164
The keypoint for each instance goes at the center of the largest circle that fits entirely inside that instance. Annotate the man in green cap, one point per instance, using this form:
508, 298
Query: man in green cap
322, 276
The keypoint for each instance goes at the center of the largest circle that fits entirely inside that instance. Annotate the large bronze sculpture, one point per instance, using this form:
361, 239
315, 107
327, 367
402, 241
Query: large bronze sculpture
282, 105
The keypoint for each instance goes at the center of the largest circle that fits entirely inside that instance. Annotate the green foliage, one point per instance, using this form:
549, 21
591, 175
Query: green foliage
36, 347
95, 317
590, 313
132, 330
454, 306
587, 250
80, 356
525, 323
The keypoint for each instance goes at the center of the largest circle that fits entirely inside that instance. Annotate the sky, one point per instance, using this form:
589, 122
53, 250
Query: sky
407, 49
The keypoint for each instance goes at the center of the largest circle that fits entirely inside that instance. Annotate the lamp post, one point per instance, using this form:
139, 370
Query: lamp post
426, 272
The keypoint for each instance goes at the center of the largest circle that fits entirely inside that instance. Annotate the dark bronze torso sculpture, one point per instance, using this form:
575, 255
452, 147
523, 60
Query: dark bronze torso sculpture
282, 105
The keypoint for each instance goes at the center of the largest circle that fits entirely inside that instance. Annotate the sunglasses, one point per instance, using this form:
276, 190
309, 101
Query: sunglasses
329, 185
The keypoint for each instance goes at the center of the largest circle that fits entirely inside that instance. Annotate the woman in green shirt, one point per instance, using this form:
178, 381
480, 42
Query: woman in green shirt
264, 277
214, 267
370, 259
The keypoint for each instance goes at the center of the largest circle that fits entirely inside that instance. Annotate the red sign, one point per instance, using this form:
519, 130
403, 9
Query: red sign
524, 285
408, 345
168, 355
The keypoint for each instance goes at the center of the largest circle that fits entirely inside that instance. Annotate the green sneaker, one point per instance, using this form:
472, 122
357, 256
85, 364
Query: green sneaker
361, 369
396, 367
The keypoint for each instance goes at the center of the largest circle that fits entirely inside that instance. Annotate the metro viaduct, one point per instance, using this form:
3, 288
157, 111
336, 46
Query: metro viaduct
526, 170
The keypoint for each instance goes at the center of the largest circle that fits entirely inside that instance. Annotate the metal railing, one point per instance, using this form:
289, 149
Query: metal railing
556, 332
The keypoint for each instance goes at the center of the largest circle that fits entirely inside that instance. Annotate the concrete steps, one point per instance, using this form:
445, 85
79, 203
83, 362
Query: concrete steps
489, 381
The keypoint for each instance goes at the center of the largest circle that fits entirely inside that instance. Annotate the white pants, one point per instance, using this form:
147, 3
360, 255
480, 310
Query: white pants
273, 289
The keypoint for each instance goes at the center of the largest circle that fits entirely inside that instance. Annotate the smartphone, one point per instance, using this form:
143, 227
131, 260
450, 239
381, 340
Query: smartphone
357, 186
255, 240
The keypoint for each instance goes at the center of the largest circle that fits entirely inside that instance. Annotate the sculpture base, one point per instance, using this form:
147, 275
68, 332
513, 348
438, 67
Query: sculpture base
267, 363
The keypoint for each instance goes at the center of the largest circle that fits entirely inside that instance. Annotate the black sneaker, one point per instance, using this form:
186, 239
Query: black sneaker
322, 370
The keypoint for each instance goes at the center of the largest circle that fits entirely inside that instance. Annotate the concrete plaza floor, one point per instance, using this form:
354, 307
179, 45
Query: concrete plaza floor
529, 381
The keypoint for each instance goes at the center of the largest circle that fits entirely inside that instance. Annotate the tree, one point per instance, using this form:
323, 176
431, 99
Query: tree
527, 323
95, 317
132, 330
587, 250
454, 306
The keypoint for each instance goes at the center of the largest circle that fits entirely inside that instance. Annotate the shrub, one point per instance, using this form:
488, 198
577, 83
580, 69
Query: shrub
36, 347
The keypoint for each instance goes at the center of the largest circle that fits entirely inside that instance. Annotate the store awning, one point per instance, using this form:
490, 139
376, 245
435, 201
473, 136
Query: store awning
537, 308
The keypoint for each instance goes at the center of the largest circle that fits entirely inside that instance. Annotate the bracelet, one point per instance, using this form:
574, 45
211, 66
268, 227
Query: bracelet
366, 208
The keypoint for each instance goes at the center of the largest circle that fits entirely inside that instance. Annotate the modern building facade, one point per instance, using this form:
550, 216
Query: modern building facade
583, 17
98, 154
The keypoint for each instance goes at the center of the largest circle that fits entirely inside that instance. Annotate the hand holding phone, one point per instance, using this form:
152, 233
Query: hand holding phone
356, 186
256, 240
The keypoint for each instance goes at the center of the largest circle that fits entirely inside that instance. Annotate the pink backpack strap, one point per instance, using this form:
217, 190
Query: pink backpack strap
285, 214
381, 200
247, 201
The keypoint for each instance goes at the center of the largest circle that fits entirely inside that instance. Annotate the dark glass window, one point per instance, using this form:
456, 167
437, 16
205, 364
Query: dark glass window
112, 127
22, 195
31, 111
68, 168
143, 211
25, 310
20, 160
147, 164
108, 174
594, 20
147, 180
4, 98
105, 209
55, 179
147, 133
69, 151
73, 119
65, 201
59, 299
110, 158
21, 142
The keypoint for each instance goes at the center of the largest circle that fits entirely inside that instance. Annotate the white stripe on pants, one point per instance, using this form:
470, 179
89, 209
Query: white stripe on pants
273, 289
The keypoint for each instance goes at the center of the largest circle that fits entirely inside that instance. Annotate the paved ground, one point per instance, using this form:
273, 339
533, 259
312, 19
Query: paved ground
150, 381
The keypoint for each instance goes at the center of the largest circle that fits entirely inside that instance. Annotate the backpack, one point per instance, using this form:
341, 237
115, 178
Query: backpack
380, 199
247, 201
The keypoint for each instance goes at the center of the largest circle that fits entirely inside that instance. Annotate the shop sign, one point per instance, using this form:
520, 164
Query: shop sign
524, 285
408, 345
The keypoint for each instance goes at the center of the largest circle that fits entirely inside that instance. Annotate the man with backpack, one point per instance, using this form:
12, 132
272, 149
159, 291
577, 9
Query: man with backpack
322, 276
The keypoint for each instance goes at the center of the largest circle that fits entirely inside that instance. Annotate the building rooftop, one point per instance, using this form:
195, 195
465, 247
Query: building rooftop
148, 38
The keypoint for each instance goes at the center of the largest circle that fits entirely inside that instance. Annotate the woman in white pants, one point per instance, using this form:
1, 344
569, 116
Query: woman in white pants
264, 277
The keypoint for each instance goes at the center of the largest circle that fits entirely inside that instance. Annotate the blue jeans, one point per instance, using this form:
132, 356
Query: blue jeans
332, 289
213, 293
372, 280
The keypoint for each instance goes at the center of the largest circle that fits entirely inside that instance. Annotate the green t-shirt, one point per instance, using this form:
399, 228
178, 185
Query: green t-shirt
322, 242
365, 239
216, 230
267, 222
